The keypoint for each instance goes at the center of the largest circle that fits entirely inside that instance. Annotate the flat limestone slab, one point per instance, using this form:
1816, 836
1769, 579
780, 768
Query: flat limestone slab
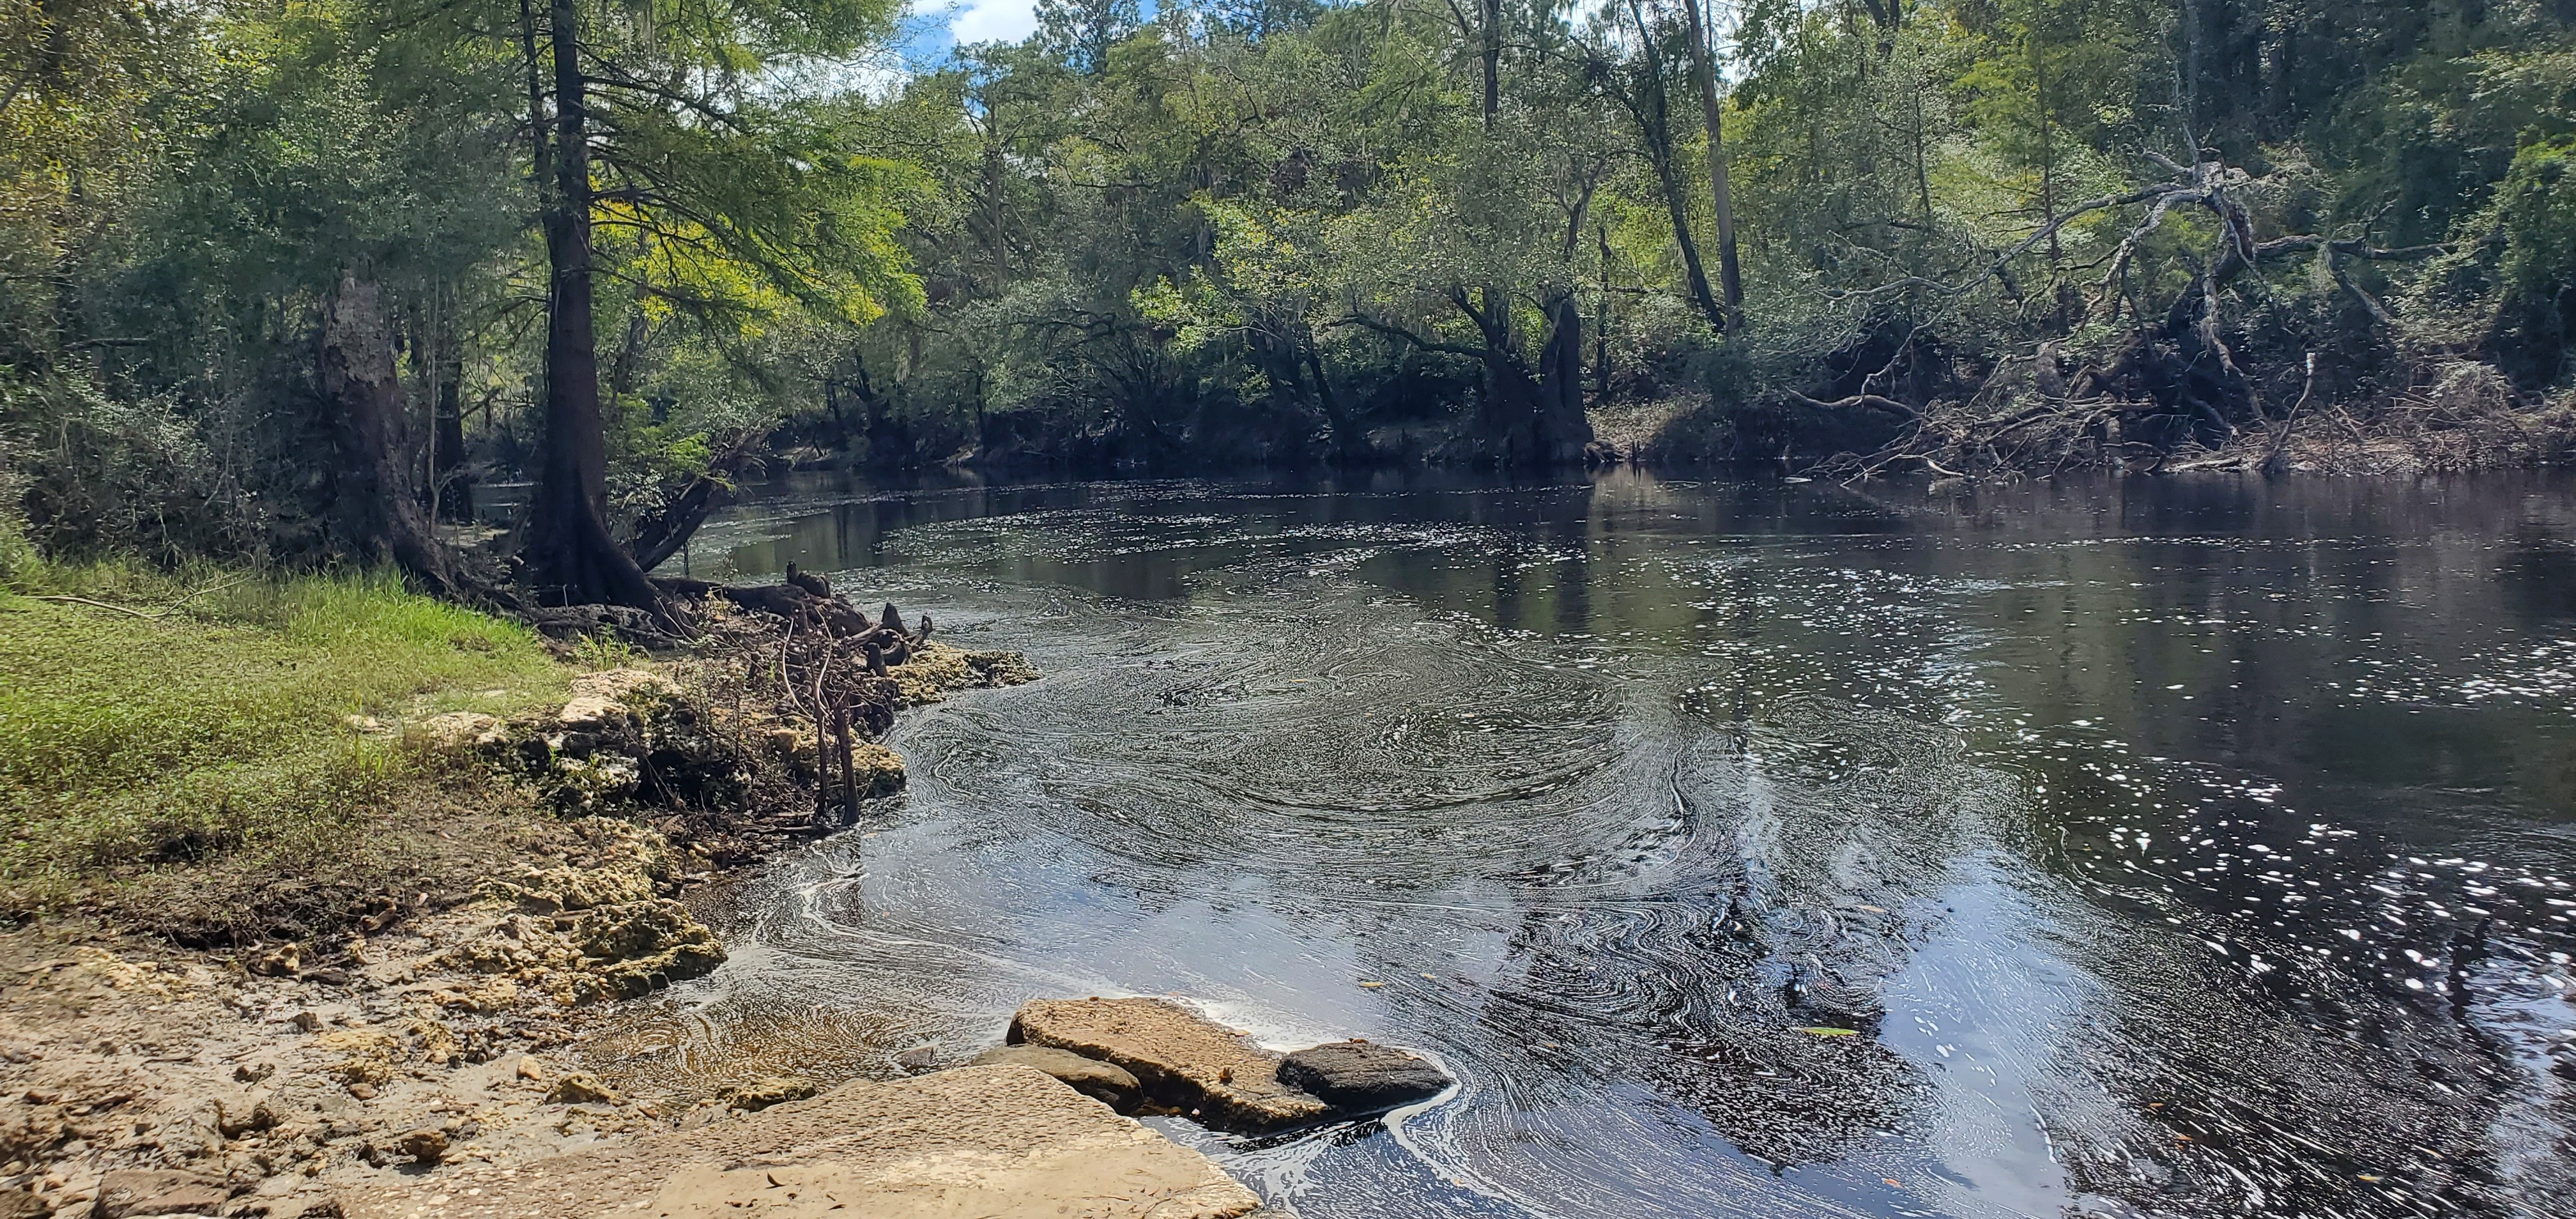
1001, 1142
1182, 1058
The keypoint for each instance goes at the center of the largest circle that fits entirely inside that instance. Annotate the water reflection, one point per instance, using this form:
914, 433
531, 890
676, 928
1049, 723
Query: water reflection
2175, 847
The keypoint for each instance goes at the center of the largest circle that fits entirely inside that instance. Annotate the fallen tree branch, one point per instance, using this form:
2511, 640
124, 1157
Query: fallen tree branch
1872, 401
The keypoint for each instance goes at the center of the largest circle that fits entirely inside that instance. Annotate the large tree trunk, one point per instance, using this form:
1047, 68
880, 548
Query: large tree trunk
1531, 421
378, 505
572, 558
1730, 276
1562, 430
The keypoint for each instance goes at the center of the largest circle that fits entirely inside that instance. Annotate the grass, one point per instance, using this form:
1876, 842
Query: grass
215, 717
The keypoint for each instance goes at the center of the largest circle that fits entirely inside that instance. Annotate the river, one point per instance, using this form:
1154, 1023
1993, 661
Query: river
2181, 847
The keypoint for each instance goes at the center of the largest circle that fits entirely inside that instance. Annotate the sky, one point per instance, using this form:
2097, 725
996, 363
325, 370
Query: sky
991, 20
935, 26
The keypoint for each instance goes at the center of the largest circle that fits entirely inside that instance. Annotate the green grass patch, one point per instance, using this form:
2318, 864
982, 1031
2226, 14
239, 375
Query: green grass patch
211, 714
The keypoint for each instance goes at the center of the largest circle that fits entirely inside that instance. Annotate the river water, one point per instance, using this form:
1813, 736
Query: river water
2178, 847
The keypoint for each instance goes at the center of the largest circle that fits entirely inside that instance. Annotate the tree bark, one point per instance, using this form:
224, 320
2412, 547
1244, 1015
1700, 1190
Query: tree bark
572, 558
378, 505
1562, 429
1532, 421
1730, 276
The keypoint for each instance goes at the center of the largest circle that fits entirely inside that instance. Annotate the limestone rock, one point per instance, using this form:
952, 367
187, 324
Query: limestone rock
1183, 1059
1357, 1077
368, 725
643, 946
617, 951
627, 738
934, 669
492, 995
425, 1145
552, 890
458, 731
367, 1056
31, 1132
591, 784
19, 1204
1106, 1082
261, 1117
760, 1094
605, 701
1003, 1142
156, 1192
581, 1088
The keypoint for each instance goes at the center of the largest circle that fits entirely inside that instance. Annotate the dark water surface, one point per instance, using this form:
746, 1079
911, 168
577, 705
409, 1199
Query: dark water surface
2206, 845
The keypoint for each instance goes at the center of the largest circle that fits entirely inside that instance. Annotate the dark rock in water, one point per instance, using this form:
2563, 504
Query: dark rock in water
1108, 1083
1357, 1077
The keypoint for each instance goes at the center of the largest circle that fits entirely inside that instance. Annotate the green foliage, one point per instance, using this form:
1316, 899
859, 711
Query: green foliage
213, 711
1236, 231
18, 557
2534, 222
2535, 214
98, 473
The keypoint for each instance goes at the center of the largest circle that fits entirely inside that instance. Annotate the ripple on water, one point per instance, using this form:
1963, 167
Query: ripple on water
1625, 818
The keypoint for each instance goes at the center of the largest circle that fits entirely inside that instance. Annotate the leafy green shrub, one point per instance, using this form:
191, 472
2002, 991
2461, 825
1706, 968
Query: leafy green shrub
2534, 214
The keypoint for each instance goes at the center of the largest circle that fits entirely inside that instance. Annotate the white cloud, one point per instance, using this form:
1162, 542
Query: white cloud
993, 20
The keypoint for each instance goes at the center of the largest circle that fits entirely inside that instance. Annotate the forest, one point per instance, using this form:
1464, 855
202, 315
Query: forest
316, 281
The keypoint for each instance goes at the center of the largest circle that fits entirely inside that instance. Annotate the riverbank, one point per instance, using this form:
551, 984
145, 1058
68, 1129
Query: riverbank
2022, 422
316, 888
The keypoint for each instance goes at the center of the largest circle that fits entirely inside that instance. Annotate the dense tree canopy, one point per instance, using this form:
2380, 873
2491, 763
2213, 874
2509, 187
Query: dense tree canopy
632, 251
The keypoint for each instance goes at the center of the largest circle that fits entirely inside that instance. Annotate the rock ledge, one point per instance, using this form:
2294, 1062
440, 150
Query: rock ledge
1002, 1141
